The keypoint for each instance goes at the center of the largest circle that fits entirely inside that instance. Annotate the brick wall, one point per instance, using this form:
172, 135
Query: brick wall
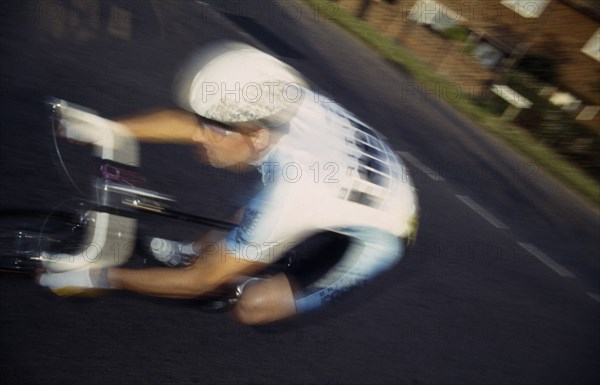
559, 33
444, 56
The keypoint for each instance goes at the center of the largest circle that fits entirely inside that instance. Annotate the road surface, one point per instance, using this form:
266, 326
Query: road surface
501, 287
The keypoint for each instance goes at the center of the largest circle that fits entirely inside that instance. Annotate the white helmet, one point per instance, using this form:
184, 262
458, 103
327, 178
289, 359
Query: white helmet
235, 83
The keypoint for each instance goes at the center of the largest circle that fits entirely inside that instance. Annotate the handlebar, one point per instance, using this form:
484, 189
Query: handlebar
110, 227
109, 238
111, 140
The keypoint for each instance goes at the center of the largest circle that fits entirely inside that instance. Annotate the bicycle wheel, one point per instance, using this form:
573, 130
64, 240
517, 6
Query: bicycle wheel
24, 234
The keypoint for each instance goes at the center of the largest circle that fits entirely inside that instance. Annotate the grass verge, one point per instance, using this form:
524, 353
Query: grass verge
517, 137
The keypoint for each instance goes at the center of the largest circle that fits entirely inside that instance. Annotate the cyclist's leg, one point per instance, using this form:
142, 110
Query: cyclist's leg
352, 257
370, 252
271, 297
265, 300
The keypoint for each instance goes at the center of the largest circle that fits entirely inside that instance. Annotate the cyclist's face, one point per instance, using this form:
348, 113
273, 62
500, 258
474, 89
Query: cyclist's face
224, 147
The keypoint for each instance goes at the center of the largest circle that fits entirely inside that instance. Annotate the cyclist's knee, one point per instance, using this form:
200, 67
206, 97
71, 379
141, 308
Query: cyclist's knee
250, 311
264, 301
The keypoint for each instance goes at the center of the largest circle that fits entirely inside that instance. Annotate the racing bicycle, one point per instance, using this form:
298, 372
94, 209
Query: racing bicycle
101, 228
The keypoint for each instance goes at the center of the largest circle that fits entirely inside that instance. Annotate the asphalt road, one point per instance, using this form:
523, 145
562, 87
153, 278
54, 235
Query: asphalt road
501, 287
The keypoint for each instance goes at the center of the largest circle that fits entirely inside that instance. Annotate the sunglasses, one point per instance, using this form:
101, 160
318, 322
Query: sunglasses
221, 129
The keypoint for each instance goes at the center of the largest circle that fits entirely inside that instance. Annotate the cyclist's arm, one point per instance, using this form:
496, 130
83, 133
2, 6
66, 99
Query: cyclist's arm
175, 126
216, 267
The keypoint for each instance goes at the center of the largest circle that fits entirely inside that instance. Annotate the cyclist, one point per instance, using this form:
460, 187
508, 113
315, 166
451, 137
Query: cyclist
336, 198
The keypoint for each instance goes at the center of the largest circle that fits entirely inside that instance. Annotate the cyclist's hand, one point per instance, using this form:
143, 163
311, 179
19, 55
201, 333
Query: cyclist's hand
74, 282
67, 130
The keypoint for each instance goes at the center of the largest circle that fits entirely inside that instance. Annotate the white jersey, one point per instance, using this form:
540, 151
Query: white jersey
330, 172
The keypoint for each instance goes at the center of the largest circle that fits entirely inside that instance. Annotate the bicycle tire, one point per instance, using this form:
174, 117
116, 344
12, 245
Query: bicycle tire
25, 233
